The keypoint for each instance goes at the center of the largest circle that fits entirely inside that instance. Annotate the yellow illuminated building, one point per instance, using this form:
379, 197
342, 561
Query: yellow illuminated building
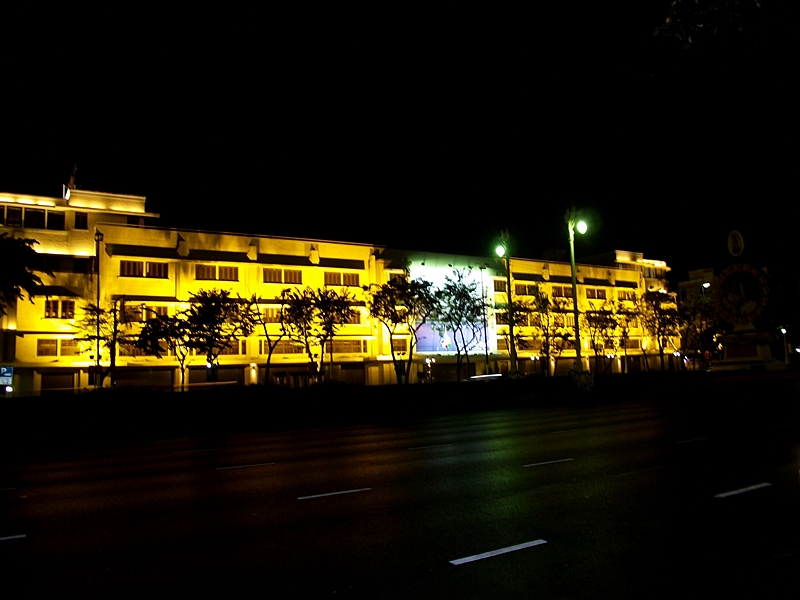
101, 250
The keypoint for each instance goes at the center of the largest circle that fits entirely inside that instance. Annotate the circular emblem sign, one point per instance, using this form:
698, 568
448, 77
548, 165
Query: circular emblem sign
735, 243
742, 293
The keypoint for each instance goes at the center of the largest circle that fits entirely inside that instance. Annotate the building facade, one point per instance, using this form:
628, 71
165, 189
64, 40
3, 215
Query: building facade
102, 251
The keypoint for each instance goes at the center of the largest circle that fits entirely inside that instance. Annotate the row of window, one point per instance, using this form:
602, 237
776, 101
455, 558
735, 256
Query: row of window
559, 320
203, 272
59, 309
273, 315
39, 218
536, 344
70, 347
562, 291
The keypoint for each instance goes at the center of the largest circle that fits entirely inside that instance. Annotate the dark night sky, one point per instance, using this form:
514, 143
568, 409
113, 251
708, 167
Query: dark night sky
422, 130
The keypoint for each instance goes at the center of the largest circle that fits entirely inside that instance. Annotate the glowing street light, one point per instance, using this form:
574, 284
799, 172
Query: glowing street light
572, 218
503, 252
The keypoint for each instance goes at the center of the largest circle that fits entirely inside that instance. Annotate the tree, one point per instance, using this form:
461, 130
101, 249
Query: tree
699, 326
333, 309
403, 305
298, 319
660, 318
460, 311
20, 261
172, 332
717, 24
107, 328
258, 319
548, 319
602, 326
214, 321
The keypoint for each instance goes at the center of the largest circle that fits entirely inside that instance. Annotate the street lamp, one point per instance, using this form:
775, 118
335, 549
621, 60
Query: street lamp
785, 346
98, 237
485, 323
572, 219
503, 252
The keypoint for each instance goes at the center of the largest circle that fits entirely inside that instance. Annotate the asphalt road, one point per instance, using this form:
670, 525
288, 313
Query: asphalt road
623, 499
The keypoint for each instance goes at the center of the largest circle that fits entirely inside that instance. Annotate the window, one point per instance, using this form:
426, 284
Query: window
626, 295
235, 347
51, 309
70, 348
134, 220
14, 216
205, 272
229, 273
47, 347
562, 291
131, 268
595, 294
272, 276
632, 344
158, 270
34, 218
272, 315
56, 220
354, 319
499, 285
501, 318
282, 347
400, 345
81, 220
68, 309
157, 311
348, 346
292, 276
350, 279
523, 289
332, 278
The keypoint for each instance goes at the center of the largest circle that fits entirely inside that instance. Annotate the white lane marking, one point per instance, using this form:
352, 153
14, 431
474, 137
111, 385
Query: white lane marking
190, 451
334, 493
549, 462
474, 557
567, 430
743, 490
244, 466
784, 425
692, 440
12, 537
426, 447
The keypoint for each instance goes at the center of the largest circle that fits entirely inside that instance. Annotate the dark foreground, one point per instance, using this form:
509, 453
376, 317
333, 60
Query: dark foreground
646, 488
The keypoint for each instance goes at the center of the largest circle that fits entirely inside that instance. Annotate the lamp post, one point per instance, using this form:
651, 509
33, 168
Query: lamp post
98, 237
573, 222
785, 346
502, 252
485, 323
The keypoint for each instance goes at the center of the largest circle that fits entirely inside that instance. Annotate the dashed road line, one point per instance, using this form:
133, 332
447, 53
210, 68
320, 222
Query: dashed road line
743, 490
245, 466
12, 537
474, 557
549, 462
334, 493
435, 446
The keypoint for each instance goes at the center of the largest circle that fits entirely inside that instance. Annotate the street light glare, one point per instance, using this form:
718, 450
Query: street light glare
582, 227
500, 251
